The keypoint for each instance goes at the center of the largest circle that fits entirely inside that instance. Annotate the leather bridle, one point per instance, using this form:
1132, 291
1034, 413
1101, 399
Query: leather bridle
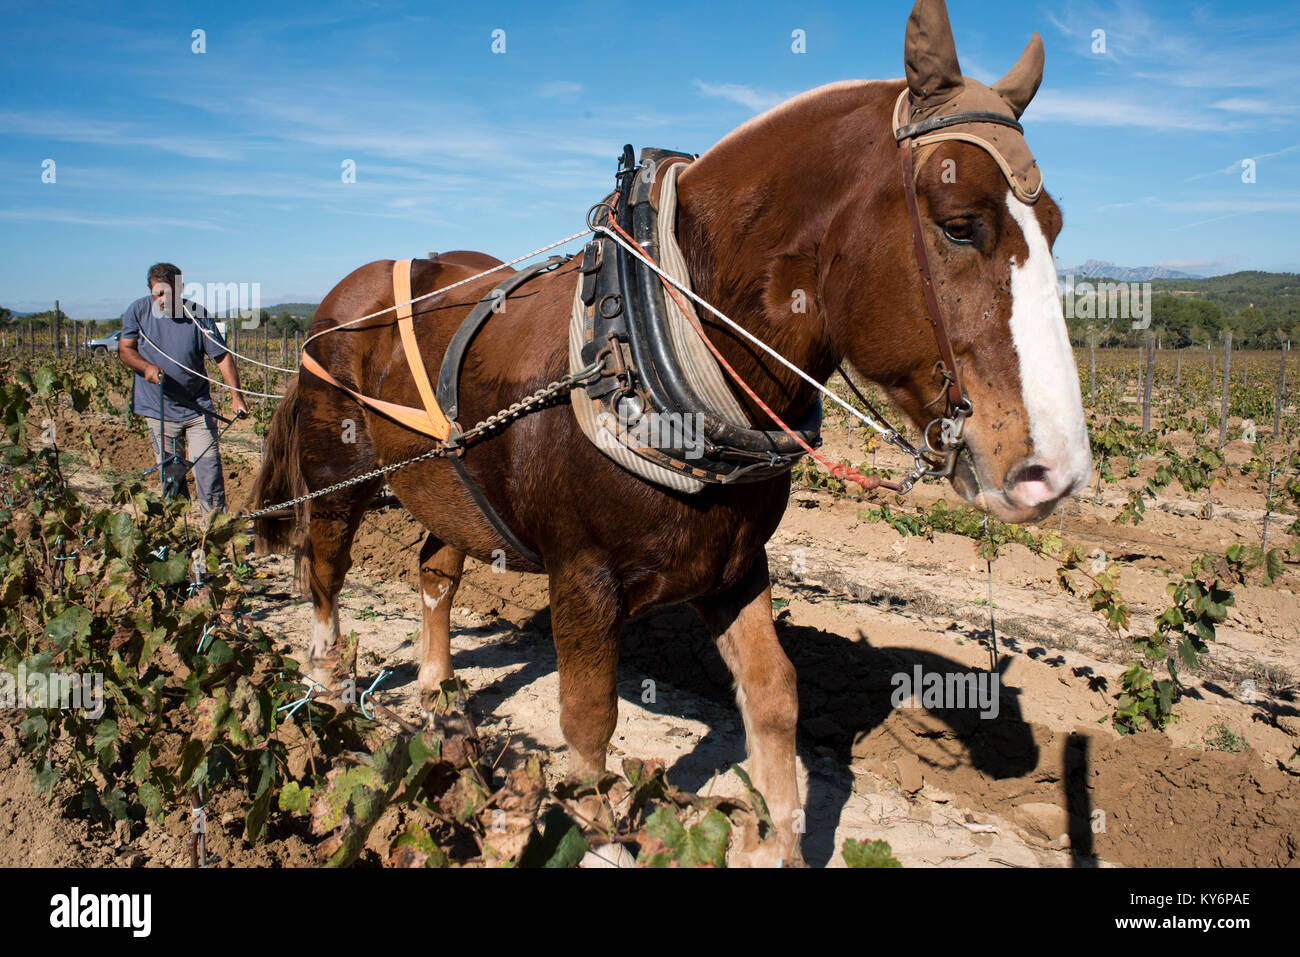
952, 424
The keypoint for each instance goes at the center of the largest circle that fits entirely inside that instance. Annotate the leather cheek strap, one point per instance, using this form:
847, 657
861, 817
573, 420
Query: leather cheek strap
956, 395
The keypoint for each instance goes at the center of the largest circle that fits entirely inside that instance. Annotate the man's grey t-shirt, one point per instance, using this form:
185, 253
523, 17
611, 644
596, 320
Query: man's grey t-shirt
181, 339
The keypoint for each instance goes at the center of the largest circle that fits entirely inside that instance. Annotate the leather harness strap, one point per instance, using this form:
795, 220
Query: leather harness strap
956, 119
476, 493
427, 421
449, 374
431, 420
956, 395
412, 418
438, 424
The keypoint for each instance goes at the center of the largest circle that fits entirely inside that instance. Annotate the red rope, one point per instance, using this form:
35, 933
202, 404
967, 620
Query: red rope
843, 472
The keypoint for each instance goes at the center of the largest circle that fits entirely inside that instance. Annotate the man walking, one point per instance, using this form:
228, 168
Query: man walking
161, 334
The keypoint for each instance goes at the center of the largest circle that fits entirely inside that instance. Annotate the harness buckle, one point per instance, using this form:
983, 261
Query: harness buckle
454, 443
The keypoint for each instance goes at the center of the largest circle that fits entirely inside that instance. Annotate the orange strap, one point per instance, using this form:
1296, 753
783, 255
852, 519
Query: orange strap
429, 420
402, 298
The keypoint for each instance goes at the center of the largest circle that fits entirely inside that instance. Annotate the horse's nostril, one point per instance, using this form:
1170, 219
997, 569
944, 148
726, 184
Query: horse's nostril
1032, 473
1030, 484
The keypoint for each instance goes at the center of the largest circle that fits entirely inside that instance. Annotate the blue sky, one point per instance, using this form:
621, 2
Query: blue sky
228, 162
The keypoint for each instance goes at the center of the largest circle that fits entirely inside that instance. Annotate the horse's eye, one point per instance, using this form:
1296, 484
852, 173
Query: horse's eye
960, 230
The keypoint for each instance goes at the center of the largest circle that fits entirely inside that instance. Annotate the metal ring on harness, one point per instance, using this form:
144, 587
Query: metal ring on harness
614, 309
592, 218
951, 440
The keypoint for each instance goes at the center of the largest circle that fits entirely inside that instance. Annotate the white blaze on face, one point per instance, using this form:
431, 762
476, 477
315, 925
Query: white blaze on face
1048, 377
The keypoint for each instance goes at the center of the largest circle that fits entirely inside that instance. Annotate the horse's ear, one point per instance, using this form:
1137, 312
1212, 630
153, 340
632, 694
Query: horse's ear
1020, 84
929, 54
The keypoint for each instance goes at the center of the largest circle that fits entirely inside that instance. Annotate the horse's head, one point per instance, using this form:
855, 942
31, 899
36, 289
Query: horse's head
988, 228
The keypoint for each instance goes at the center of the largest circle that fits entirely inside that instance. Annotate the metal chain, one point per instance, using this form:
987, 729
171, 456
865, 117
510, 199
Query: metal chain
508, 414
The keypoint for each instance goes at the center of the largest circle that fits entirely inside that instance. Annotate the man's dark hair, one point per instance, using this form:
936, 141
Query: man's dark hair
163, 272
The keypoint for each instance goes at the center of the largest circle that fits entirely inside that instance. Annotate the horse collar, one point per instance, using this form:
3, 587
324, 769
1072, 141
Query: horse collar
651, 369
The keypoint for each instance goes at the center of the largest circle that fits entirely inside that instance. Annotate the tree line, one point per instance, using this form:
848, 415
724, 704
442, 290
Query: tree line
277, 323
1261, 308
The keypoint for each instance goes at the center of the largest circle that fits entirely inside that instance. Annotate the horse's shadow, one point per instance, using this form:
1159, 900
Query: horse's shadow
845, 690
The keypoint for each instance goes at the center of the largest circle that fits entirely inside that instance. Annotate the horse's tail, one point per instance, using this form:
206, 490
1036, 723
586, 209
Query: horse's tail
281, 480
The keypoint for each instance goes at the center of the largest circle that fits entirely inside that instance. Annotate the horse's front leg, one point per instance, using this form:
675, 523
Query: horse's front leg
740, 621
587, 611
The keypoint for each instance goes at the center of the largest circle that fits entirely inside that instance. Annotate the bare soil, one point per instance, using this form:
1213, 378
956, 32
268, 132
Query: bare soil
1048, 782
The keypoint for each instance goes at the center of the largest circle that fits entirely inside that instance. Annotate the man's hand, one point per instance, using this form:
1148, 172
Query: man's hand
153, 374
231, 375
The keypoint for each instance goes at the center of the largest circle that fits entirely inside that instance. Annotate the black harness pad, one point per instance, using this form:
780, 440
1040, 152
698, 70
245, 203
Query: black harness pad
626, 316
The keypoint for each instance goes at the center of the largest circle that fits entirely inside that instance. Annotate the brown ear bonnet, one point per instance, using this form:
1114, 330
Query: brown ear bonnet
937, 90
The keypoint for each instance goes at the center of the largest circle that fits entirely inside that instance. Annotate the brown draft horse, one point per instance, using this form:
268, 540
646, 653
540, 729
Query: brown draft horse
807, 197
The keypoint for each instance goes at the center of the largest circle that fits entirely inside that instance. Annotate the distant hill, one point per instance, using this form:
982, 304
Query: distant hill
1095, 268
1254, 305
1239, 290
303, 309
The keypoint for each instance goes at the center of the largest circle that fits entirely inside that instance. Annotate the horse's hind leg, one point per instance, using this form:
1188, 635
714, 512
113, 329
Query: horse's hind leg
741, 623
327, 558
440, 570
587, 613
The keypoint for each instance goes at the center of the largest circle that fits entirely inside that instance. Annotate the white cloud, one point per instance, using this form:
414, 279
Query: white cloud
747, 96
1104, 108
75, 129
1237, 104
1236, 167
116, 222
558, 88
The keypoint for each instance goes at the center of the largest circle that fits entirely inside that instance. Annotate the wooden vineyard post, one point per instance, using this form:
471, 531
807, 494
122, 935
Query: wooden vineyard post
1277, 396
1092, 368
1178, 377
1146, 384
31, 338
1245, 370
1223, 398
54, 332
284, 351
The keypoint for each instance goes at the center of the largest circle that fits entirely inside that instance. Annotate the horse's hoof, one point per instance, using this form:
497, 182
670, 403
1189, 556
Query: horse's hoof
608, 855
767, 854
340, 667
319, 676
